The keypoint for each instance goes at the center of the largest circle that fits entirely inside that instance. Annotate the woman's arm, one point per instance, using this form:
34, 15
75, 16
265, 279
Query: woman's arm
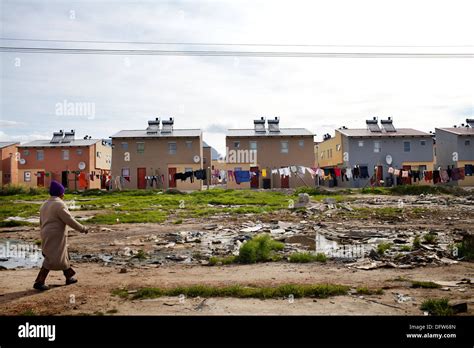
68, 219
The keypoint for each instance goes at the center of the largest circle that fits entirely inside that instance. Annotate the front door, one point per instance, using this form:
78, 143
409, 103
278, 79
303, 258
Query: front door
254, 178
141, 182
379, 174
406, 181
171, 179
285, 181
40, 179
64, 180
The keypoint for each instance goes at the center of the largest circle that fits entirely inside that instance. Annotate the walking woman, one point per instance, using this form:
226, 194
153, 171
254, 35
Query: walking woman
54, 216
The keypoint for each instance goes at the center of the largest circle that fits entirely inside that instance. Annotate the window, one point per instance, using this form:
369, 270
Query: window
422, 142
406, 146
361, 143
236, 144
301, 143
39, 155
338, 147
253, 145
99, 154
172, 148
189, 144
284, 147
187, 170
79, 152
141, 148
125, 172
330, 153
377, 146
27, 176
124, 146
65, 155
467, 142
26, 153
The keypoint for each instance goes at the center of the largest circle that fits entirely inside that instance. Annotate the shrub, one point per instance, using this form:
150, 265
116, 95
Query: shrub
437, 307
306, 257
383, 247
259, 249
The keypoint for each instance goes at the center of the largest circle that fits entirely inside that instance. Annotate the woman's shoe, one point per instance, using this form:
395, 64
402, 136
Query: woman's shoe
71, 281
40, 286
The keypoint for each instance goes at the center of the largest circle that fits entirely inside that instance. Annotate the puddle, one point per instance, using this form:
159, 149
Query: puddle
32, 220
19, 254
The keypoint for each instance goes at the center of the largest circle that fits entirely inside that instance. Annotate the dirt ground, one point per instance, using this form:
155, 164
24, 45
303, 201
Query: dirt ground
92, 295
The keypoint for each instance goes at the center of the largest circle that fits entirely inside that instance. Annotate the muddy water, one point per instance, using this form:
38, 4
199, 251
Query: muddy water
19, 254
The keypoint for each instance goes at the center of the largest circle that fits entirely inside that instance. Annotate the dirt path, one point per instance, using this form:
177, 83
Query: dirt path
92, 294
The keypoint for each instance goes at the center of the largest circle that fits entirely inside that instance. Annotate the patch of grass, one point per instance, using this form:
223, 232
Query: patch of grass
28, 313
424, 285
306, 257
37, 242
438, 307
259, 249
417, 243
214, 260
11, 190
375, 190
465, 249
405, 248
383, 247
13, 223
141, 255
320, 191
123, 293
430, 238
178, 222
363, 290
399, 279
238, 291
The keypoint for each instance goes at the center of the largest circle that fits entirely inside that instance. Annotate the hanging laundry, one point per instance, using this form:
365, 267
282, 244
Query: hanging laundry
390, 170
242, 176
230, 175
348, 173
264, 172
404, 173
396, 172
444, 175
337, 172
200, 174
364, 172
462, 173
356, 172
436, 177
275, 171
302, 169
428, 175
416, 175
286, 171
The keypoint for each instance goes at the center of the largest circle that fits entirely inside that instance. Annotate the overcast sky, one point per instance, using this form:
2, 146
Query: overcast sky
216, 93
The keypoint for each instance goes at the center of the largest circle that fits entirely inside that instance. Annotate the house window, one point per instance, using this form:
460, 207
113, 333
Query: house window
330, 153
338, 147
99, 154
301, 143
65, 155
253, 145
467, 142
189, 144
124, 146
236, 144
422, 142
377, 146
79, 152
27, 176
172, 148
406, 146
39, 155
125, 172
284, 147
26, 153
361, 143
141, 148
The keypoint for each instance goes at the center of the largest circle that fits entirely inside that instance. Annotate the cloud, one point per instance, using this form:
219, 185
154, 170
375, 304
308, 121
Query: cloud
7, 123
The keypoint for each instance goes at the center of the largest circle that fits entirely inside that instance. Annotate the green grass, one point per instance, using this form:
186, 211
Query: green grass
306, 257
238, 291
28, 313
123, 293
424, 285
383, 247
438, 307
430, 238
417, 243
260, 248
406, 248
12, 190
466, 249
141, 255
363, 290
215, 260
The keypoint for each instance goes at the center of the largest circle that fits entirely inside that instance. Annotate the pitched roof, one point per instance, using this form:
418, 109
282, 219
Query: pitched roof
458, 130
47, 143
401, 132
7, 143
282, 132
142, 133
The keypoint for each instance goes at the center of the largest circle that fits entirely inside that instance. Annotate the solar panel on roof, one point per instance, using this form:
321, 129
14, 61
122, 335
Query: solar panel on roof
388, 125
57, 137
470, 122
373, 126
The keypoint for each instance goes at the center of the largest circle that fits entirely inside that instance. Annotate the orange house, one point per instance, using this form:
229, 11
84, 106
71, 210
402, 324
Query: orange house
76, 163
8, 165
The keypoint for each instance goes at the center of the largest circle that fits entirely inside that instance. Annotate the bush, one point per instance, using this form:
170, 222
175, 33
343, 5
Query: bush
383, 247
307, 257
11, 190
437, 307
259, 249
430, 238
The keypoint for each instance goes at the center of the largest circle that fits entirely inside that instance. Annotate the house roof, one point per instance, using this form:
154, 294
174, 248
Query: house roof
142, 133
47, 143
401, 132
458, 130
7, 143
214, 153
281, 133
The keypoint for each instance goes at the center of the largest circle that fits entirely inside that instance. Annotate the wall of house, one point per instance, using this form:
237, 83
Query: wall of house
446, 144
269, 156
9, 165
330, 152
468, 180
104, 161
156, 158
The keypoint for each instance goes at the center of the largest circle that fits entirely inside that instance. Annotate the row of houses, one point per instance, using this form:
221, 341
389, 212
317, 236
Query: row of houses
265, 156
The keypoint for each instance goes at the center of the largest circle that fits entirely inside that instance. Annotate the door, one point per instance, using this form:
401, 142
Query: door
379, 175
406, 181
254, 178
141, 182
40, 179
64, 180
285, 181
171, 179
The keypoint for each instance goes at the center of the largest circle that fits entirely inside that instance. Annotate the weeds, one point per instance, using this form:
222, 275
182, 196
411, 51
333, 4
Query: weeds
430, 238
438, 307
383, 247
306, 257
424, 285
260, 248
363, 290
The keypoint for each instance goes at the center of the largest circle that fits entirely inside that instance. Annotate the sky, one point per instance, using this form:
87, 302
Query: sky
217, 93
